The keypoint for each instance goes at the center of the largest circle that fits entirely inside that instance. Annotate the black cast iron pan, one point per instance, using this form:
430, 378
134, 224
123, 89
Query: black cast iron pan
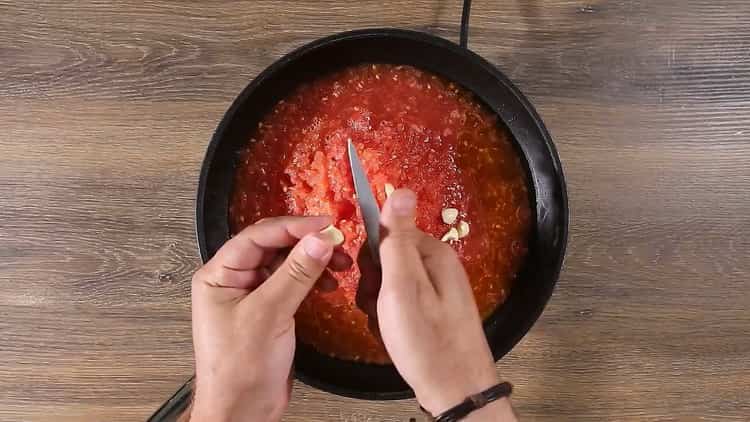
531, 291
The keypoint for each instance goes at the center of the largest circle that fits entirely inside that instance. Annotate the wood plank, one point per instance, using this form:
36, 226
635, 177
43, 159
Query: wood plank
106, 109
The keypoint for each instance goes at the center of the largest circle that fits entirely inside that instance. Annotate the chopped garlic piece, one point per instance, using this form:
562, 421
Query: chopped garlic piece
449, 215
389, 189
450, 236
463, 229
333, 234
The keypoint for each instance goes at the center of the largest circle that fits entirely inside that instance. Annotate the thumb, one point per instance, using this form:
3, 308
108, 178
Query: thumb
399, 255
399, 211
290, 283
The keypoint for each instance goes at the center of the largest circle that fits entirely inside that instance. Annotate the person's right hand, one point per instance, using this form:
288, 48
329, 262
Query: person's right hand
428, 318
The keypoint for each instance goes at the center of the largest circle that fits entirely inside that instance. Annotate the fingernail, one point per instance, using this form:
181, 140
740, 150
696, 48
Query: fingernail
404, 202
316, 248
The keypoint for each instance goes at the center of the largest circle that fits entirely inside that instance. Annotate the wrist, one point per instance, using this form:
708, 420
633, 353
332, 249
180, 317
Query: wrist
440, 397
207, 409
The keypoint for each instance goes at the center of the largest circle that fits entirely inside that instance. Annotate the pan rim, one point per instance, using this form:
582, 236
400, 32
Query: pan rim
230, 115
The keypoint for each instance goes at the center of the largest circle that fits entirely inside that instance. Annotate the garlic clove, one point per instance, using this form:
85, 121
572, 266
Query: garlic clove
463, 229
389, 189
449, 215
450, 235
333, 234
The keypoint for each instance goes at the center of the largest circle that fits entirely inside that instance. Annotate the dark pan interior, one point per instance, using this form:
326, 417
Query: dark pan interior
535, 283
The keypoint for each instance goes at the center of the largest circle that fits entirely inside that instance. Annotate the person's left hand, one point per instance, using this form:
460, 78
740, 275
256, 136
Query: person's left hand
244, 300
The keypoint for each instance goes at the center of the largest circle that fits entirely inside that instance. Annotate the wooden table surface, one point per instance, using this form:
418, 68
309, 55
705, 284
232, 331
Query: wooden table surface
106, 109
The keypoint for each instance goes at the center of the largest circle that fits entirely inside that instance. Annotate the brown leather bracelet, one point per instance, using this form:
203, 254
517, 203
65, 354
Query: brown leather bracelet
472, 403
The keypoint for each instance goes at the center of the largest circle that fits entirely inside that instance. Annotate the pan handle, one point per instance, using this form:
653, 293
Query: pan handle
175, 409
464, 34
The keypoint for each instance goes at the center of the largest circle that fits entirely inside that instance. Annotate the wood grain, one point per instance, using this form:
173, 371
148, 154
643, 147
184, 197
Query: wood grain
106, 109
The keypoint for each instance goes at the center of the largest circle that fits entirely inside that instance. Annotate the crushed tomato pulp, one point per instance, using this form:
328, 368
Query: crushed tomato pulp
413, 130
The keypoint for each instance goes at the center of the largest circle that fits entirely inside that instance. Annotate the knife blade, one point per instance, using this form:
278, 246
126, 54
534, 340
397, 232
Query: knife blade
367, 203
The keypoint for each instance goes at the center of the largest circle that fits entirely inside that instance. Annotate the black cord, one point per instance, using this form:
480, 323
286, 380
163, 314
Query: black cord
472, 403
464, 35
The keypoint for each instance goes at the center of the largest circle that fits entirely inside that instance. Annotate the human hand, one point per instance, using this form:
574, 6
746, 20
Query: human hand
244, 301
428, 318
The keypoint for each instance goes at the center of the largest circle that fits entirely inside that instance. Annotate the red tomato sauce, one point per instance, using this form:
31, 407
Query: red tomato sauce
411, 129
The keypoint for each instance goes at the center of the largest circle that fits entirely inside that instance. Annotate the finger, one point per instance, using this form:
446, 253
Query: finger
399, 211
247, 249
445, 271
340, 261
400, 259
288, 286
238, 263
